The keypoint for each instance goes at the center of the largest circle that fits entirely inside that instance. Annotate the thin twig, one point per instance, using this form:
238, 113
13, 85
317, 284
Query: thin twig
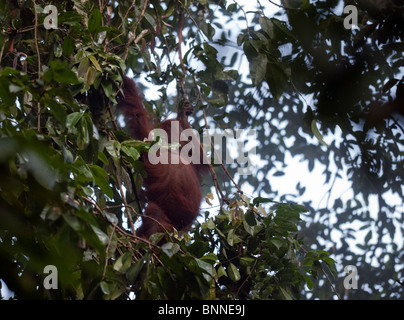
181, 81
39, 60
249, 274
127, 207
331, 284
2, 50
327, 277
36, 38
119, 229
282, 6
106, 253
128, 214
111, 114
245, 16
133, 37
190, 16
126, 14
211, 142
103, 6
111, 40
213, 173
298, 92
180, 30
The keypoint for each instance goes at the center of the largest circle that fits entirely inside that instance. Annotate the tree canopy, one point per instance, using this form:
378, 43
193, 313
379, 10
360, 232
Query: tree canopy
317, 88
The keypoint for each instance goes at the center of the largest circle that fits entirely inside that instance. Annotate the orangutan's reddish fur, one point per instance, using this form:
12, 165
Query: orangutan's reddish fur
172, 190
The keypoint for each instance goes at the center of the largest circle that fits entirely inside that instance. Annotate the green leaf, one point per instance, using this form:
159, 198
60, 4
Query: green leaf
113, 147
170, 249
111, 217
210, 257
210, 224
207, 29
285, 294
57, 110
258, 68
246, 261
105, 287
221, 272
84, 129
232, 238
156, 237
134, 270
233, 272
95, 63
102, 236
61, 73
68, 46
86, 216
317, 133
102, 158
232, 7
13, 88
113, 239
72, 120
250, 229
277, 243
208, 271
5, 95
109, 90
123, 263
368, 237
101, 179
309, 282
287, 216
258, 200
83, 67
282, 26
131, 152
70, 18
57, 50
42, 171
95, 21
73, 222
65, 76
90, 76
250, 218
276, 78
267, 25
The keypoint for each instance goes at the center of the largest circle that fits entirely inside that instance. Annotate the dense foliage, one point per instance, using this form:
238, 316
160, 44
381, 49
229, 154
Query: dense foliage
70, 172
